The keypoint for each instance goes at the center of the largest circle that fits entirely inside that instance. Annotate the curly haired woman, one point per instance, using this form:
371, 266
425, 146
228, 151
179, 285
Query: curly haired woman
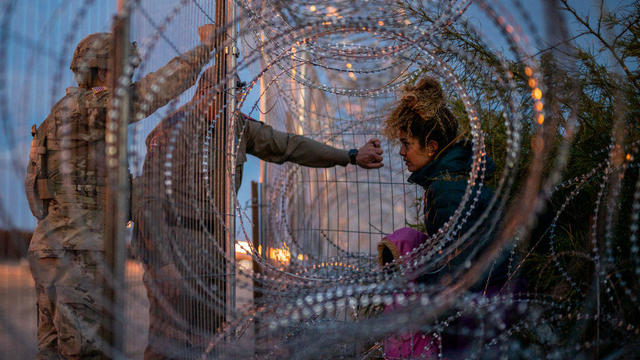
440, 161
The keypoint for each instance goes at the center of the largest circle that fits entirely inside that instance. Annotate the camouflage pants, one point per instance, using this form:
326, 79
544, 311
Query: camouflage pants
69, 302
181, 323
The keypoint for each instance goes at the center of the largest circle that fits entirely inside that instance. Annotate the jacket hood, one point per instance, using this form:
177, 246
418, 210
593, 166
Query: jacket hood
400, 243
456, 160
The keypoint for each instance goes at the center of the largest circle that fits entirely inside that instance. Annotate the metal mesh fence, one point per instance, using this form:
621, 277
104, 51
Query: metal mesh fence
193, 195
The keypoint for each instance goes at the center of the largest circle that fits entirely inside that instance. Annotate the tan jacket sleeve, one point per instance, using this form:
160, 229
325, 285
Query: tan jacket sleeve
279, 147
156, 89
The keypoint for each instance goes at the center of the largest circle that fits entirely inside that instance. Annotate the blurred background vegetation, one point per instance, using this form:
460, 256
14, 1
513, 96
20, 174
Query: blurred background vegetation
592, 79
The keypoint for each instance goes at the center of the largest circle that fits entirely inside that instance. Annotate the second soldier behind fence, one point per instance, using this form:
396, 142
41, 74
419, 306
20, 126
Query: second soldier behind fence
65, 187
175, 217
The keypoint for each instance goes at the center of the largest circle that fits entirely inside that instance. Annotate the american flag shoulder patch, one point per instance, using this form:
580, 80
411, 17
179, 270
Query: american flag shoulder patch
98, 89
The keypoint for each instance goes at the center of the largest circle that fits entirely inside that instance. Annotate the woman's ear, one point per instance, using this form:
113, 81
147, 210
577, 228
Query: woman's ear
432, 147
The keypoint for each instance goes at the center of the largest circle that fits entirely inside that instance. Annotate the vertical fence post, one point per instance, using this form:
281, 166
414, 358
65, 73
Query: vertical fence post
117, 188
230, 52
255, 239
255, 232
222, 182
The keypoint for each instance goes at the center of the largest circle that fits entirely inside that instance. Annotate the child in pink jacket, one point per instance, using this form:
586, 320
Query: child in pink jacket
410, 345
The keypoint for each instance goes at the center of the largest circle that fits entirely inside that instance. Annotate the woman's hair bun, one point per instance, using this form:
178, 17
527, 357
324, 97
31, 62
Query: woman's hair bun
425, 98
423, 113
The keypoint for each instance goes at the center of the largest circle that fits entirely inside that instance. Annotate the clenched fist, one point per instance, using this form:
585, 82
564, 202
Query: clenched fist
370, 155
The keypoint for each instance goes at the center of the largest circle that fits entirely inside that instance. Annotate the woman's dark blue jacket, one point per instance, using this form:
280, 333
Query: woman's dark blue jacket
445, 182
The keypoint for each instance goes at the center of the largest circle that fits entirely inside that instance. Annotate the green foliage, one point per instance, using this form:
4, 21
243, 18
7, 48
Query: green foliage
599, 93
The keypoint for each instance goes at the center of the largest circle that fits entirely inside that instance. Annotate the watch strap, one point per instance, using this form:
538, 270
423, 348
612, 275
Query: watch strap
352, 156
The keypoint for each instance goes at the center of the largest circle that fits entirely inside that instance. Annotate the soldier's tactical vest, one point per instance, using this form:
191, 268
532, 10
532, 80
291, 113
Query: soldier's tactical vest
67, 158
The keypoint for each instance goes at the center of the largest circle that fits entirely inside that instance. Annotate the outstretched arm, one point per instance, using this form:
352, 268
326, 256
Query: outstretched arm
279, 147
158, 88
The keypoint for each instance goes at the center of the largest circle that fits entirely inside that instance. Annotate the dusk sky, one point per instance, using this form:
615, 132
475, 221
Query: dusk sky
33, 59
37, 73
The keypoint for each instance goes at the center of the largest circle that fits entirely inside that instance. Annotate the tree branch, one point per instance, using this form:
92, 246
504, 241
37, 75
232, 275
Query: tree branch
626, 28
604, 43
600, 15
552, 47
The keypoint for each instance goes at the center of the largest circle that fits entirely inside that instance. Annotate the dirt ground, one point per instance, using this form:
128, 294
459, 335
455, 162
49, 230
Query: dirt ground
18, 309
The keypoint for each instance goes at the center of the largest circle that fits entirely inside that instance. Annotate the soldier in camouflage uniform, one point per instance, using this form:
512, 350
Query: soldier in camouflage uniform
174, 233
65, 186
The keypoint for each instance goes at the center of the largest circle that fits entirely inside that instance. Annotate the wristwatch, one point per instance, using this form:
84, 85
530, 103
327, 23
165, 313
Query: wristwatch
352, 156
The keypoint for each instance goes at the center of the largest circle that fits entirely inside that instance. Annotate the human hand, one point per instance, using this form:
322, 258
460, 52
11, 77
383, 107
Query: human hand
370, 155
207, 34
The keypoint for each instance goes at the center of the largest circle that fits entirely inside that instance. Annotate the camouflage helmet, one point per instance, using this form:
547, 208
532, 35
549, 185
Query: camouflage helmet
94, 51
